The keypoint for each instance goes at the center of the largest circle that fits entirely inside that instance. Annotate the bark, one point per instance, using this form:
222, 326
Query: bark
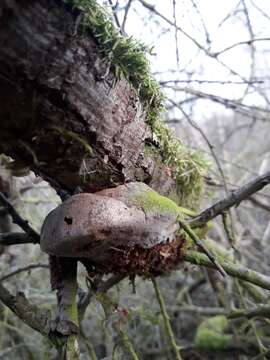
62, 112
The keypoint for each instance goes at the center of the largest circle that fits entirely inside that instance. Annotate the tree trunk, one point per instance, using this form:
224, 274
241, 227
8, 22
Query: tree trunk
63, 113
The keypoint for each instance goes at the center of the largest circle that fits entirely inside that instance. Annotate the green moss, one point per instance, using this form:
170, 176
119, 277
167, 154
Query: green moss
210, 334
127, 57
188, 166
150, 200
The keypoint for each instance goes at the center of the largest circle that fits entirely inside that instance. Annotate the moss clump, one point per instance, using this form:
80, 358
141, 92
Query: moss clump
151, 200
210, 334
188, 166
127, 57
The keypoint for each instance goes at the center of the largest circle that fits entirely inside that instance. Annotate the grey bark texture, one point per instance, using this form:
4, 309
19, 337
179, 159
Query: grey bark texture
62, 112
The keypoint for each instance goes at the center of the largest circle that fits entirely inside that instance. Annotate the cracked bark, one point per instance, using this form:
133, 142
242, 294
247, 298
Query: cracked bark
57, 98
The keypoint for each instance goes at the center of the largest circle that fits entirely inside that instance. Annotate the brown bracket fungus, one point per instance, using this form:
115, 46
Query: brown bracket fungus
127, 229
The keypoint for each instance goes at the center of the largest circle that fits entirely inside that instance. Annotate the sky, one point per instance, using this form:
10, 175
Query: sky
226, 24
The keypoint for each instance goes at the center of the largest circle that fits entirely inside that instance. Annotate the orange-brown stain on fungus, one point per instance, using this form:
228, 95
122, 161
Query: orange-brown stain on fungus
157, 260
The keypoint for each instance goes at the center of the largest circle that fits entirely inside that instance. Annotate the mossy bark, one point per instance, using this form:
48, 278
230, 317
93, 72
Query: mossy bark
63, 112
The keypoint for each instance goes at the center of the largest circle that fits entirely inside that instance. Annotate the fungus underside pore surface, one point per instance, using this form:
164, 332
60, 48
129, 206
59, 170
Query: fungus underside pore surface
127, 58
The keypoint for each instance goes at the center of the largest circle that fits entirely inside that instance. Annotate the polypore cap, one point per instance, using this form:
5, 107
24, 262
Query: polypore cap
90, 225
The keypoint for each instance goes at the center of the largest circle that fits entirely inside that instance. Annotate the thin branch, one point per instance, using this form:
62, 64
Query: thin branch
207, 36
227, 102
22, 269
260, 344
234, 199
220, 169
203, 81
17, 219
176, 34
246, 42
126, 342
114, 10
108, 284
200, 310
170, 22
15, 238
166, 319
260, 311
127, 8
100, 287
234, 270
201, 245
259, 203
37, 319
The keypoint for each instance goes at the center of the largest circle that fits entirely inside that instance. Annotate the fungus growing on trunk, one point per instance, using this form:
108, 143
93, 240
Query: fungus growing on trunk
129, 229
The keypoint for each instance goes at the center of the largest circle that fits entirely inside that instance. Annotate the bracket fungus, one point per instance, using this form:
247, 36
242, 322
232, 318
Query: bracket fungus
128, 229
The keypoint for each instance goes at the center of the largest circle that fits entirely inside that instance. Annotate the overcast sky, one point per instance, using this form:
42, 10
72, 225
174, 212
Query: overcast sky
226, 24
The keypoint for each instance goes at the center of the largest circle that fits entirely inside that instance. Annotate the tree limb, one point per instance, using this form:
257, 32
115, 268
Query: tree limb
15, 238
234, 199
234, 270
37, 319
260, 311
22, 269
17, 219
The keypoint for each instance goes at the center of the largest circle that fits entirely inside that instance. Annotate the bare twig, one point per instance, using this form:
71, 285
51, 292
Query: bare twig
127, 8
8, 239
205, 81
260, 311
175, 33
259, 203
100, 287
170, 22
246, 109
22, 269
166, 319
207, 35
112, 281
234, 199
37, 319
201, 310
17, 219
201, 245
246, 42
261, 347
114, 9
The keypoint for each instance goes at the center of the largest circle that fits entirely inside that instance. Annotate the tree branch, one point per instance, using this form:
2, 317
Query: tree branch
248, 42
233, 200
260, 311
37, 319
234, 270
201, 245
22, 269
97, 288
15, 238
17, 219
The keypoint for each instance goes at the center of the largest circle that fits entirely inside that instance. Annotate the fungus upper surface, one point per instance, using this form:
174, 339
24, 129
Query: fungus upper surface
115, 231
